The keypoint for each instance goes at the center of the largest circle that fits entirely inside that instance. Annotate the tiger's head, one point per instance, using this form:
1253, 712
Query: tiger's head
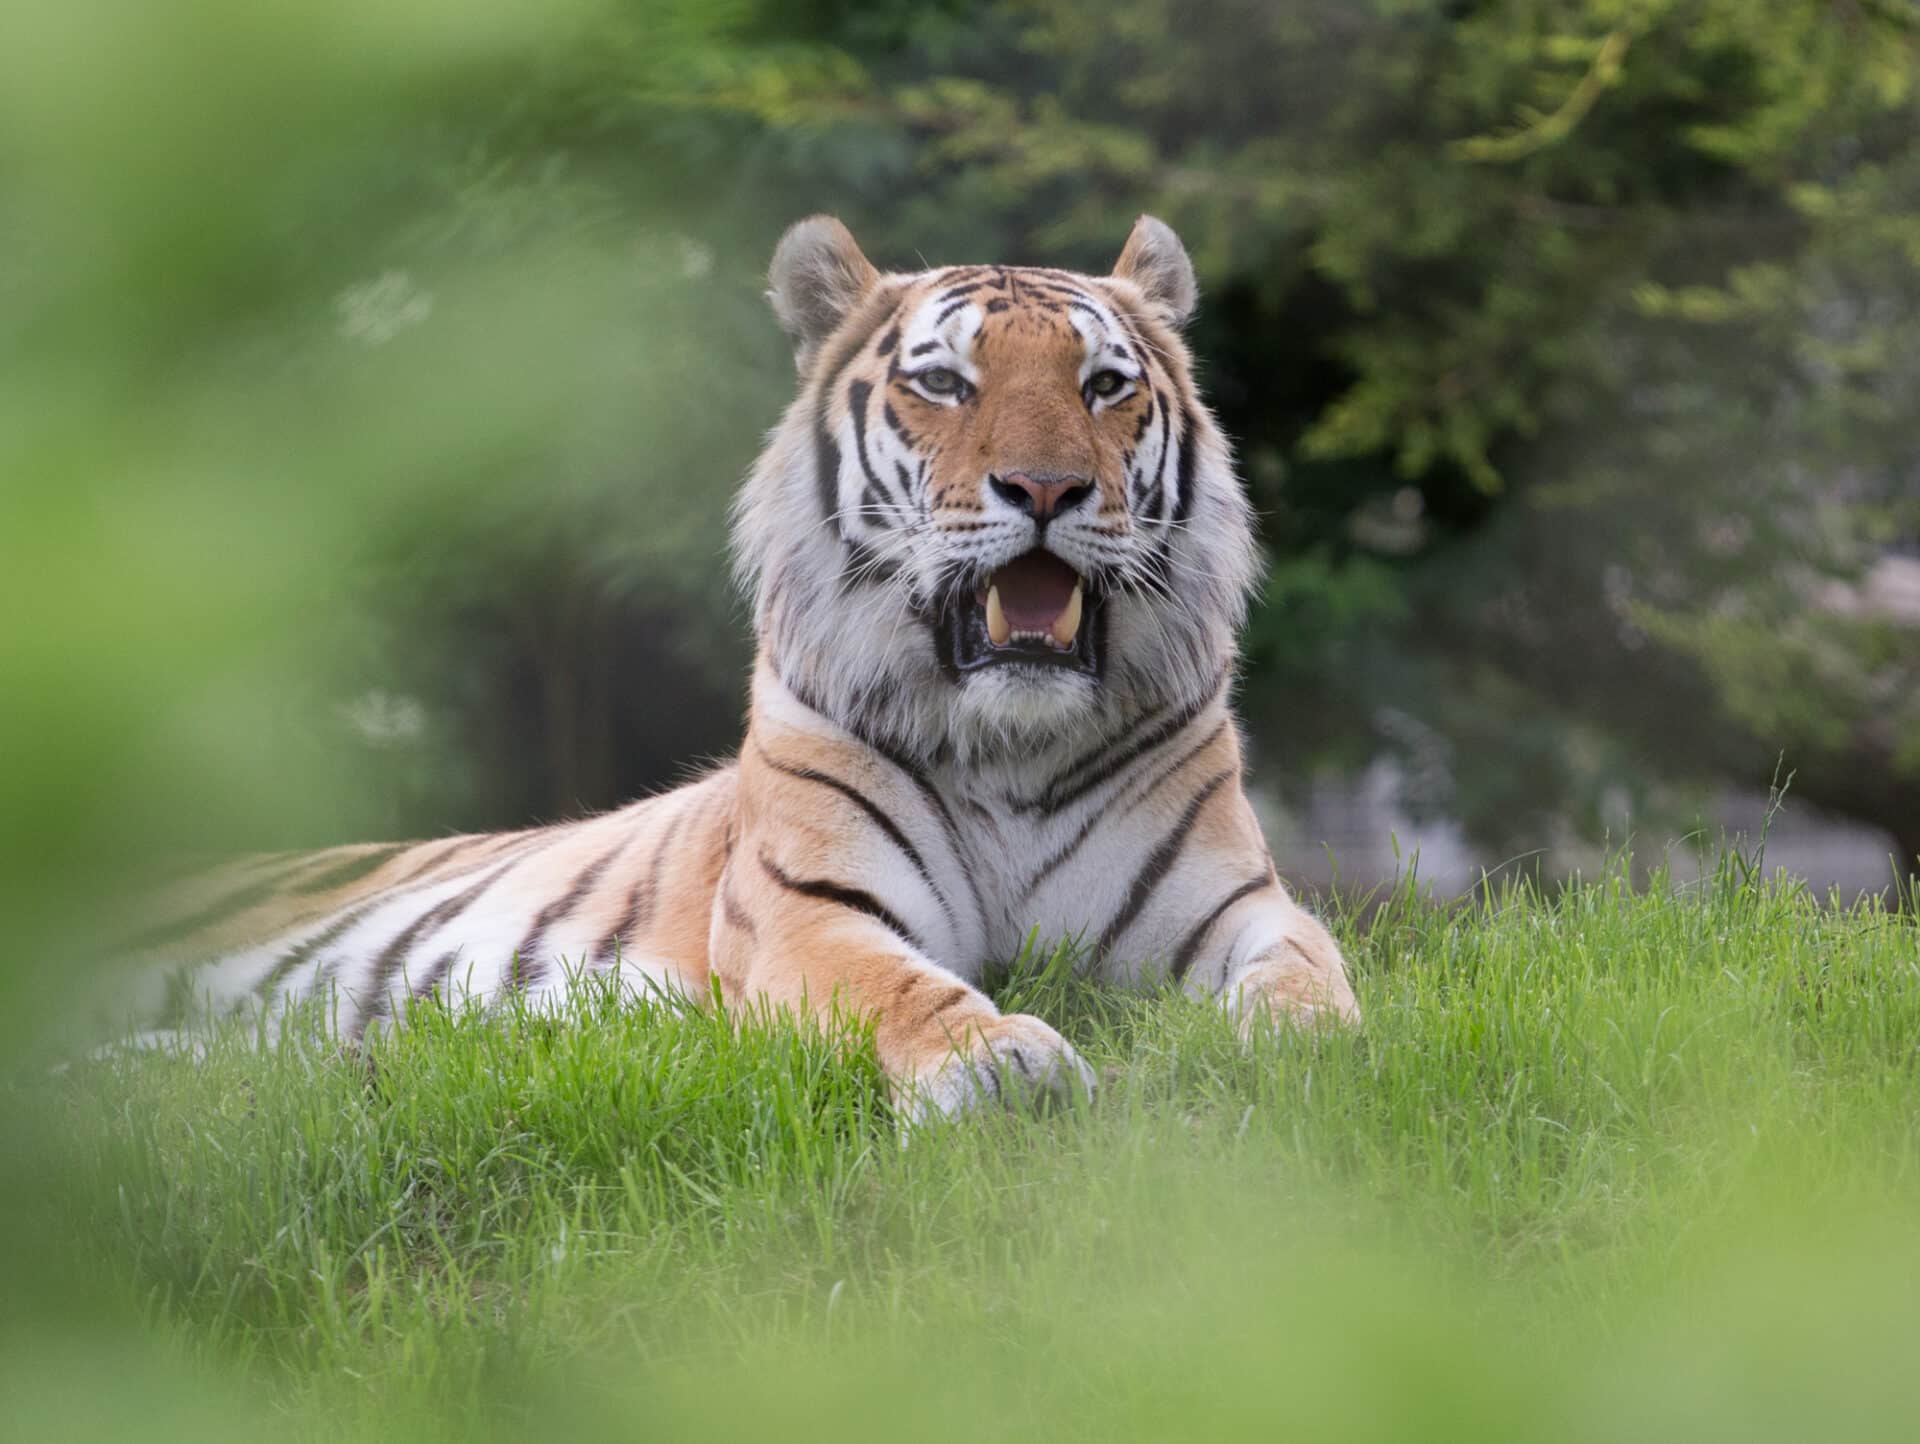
997, 515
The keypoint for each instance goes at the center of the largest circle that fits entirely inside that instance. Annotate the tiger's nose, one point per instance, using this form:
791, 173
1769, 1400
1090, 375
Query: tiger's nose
1041, 497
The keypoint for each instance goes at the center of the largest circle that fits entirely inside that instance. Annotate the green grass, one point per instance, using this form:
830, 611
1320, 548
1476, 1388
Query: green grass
1603, 1163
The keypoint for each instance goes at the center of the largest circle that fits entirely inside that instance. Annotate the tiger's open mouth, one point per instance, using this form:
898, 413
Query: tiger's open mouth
1035, 611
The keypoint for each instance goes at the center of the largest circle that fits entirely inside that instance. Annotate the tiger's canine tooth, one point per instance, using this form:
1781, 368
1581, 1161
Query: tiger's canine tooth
1066, 626
997, 629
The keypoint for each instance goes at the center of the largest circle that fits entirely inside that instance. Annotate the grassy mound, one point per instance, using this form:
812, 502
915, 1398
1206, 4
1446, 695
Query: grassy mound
1603, 1163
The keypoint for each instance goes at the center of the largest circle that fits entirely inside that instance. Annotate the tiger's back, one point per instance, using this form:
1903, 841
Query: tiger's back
473, 916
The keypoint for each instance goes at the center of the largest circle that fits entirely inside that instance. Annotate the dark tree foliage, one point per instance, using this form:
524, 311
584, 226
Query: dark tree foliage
1569, 346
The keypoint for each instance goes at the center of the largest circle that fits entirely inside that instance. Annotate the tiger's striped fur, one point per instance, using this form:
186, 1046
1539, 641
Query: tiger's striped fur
909, 801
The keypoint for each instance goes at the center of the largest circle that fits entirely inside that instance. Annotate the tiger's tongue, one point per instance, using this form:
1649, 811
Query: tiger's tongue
1034, 590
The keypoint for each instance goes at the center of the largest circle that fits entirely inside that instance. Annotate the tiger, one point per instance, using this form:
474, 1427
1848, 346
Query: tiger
997, 558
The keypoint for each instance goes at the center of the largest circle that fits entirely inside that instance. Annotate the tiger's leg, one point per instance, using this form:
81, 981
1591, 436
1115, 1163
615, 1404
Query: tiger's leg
800, 938
1279, 962
1214, 902
820, 907
1266, 958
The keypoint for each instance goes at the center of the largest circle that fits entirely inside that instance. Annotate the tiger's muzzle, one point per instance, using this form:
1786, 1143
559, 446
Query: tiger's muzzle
1036, 611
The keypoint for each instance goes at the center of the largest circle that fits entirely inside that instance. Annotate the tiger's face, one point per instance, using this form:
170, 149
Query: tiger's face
1016, 421
997, 513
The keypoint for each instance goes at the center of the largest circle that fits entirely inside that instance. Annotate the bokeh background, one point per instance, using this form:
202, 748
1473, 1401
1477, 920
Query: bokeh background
378, 376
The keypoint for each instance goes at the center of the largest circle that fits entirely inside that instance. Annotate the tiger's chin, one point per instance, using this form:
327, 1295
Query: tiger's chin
1022, 707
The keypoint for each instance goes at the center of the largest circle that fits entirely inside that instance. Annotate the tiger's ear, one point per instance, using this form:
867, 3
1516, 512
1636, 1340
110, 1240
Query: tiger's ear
818, 276
1155, 261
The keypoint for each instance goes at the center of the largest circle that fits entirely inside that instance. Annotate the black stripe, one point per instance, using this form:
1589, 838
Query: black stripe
1184, 758
890, 340
1067, 775
879, 819
826, 466
858, 394
737, 915
352, 870
885, 305
924, 347
1183, 476
436, 973
826, 451
947, 824
393, 956
644, 897
528, 966
1073, 845
304, 952
919, 779
1160, 467
1190, 946
1106, 762
1057, 289
1130, 322
946, 1000
941, 319
892, 418
843, 896
1159, 862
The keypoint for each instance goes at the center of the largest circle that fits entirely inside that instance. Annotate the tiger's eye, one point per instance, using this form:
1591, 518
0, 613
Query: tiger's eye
940, 381
1106, 383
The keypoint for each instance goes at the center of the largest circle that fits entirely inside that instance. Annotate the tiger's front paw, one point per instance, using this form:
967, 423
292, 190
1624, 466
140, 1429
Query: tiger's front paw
1014, 1060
